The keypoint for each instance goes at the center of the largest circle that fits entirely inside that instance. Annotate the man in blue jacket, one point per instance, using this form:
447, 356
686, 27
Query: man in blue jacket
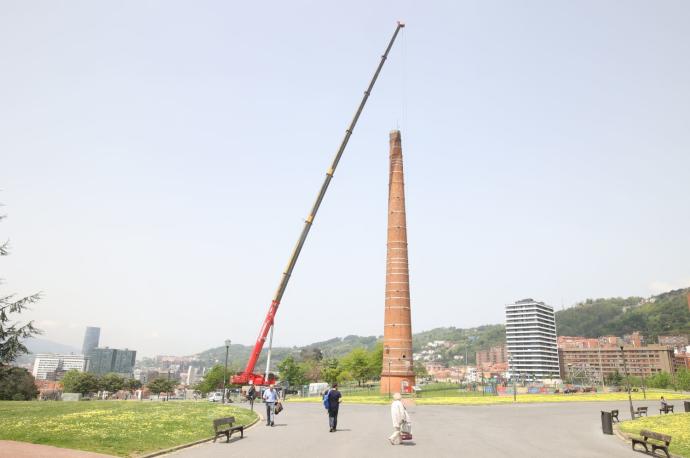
334, 398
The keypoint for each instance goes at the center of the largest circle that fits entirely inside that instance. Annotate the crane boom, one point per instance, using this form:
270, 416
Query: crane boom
248, 373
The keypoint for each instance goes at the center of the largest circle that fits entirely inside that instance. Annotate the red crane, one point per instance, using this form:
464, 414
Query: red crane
248, 374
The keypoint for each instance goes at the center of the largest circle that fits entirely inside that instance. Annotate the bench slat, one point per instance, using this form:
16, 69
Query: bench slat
222, 421
656, 436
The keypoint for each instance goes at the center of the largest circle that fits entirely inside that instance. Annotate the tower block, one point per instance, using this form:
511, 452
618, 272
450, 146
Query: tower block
397, 373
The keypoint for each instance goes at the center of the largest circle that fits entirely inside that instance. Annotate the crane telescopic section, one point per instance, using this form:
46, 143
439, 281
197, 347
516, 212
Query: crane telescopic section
248, 374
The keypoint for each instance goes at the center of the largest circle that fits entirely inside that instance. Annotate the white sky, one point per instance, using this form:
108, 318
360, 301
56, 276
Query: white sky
157, 160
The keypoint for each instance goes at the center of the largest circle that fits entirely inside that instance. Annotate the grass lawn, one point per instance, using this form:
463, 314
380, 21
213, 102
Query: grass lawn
676, 425
124, 428
474, 398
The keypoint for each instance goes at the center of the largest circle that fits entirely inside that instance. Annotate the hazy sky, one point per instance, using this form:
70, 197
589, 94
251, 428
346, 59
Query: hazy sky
157, 160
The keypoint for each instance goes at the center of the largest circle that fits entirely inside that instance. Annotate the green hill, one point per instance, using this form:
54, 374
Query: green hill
666, 313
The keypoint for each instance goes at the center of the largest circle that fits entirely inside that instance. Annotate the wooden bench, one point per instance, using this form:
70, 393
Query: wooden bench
614, 416
661, 441
223, 426
666, 409
641, 411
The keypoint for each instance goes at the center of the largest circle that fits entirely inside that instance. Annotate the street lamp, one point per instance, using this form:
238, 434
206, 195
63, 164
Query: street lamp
627, 378
225, 373
512, 375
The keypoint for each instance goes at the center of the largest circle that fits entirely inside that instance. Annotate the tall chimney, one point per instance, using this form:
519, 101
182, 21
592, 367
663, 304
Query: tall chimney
397, 373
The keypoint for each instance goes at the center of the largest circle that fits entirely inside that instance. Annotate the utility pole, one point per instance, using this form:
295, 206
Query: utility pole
627, 378
225, 372
512, 375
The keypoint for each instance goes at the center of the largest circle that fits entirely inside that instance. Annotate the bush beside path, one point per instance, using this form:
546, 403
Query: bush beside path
122, 428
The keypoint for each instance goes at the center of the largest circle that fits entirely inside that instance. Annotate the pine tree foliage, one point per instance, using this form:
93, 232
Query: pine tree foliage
12, 332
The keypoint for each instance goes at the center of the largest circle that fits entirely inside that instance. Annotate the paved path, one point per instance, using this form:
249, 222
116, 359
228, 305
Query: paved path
523, 430
12, 449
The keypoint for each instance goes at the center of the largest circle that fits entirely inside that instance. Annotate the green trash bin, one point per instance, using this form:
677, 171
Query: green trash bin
687, 406
606, 422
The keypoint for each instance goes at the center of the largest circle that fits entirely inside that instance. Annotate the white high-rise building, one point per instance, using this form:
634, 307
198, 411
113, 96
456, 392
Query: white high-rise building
531, 340
48, 365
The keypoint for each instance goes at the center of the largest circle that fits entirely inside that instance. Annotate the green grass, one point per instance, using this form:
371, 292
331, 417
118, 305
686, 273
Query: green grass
123, 428
676, 425
446, 397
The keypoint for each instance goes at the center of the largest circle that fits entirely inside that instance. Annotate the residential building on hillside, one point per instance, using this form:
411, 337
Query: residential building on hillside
681, 361
633, 340
609, 341
597, 363
577, 342
106, 360
91, 338
492, 356
531, 340
679, 341
48, 366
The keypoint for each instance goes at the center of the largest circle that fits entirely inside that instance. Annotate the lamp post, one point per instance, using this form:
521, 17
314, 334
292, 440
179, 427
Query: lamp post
225, 373
512, 375
627, 379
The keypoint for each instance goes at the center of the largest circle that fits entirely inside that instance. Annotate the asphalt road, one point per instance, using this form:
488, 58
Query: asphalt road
522, 430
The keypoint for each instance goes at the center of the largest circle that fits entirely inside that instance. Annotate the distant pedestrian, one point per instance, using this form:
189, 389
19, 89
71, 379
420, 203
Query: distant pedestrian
334, 398
251, 394
664, 404
399, 416
270, 398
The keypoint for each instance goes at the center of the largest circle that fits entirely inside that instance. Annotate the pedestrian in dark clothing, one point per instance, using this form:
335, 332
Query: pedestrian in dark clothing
334, 398
251, 395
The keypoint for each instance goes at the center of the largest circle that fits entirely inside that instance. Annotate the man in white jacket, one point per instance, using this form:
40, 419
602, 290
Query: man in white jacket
399, 416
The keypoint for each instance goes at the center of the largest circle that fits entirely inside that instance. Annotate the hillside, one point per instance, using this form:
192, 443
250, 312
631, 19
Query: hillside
666, 313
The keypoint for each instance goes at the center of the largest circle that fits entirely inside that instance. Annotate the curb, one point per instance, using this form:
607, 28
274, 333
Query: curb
191, 444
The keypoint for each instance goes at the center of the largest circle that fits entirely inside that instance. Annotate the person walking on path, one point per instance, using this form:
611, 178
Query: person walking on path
399, 416
251, 394
334, 398
270, 397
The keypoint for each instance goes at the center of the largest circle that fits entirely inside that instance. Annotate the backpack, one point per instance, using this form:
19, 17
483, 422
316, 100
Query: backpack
326, 403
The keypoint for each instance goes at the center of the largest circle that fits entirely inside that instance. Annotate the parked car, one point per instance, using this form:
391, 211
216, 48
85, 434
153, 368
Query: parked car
216, 396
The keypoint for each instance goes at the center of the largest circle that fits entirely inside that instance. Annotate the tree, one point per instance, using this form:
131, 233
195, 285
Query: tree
683, 380
312, 370
16, 384
131, 384
660, 380
614, 379
111, 382
11, 332
291, 372
161, 385
311, 353
213, 380
332, 372
376, 361
359, 364
80, 382
420, 370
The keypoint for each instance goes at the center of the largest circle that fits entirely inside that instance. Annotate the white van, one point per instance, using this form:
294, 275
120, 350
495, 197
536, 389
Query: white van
216, 396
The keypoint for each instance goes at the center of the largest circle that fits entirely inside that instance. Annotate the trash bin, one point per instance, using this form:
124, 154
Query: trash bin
687, 406
606, 423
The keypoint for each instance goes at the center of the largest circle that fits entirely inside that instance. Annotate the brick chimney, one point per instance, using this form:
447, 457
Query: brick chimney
397, 373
